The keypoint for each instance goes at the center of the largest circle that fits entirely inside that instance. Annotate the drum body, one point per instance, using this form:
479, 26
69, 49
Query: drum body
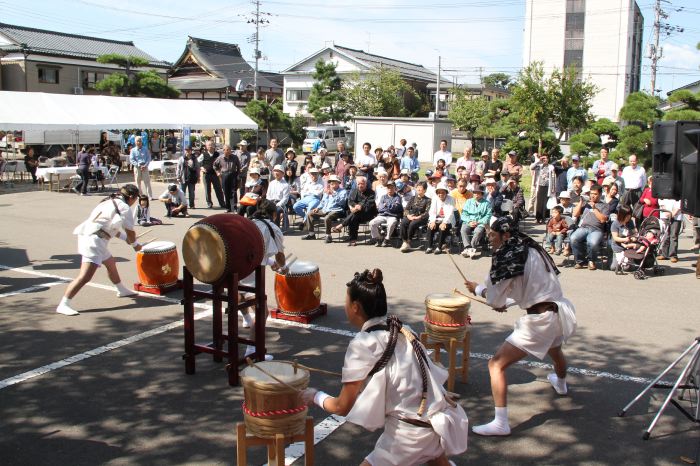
220, 245
157, 264
271, 408
446, 316
299, 291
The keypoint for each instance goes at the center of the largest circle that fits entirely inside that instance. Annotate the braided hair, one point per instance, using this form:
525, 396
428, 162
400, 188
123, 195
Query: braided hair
367, 288
126, 192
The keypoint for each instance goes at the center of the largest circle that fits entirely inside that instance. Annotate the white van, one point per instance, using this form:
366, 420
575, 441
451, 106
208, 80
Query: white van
330, 135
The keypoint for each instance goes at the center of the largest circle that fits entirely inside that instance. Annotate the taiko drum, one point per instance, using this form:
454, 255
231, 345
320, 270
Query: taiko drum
446, 316
299, 290
157, 264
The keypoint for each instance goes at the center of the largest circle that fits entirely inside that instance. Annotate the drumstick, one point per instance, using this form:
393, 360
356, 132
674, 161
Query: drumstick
252, 364
147, 231
320, 371
456, 266
473, 298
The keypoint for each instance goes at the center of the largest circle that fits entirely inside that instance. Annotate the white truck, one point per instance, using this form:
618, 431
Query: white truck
330, 135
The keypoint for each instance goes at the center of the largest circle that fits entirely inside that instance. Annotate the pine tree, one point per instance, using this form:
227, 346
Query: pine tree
326, 99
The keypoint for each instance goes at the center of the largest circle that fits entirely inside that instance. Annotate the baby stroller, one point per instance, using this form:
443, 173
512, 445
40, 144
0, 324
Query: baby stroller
652, 234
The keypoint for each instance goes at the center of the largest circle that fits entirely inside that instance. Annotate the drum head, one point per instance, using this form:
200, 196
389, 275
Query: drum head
204, 252
303, 268
281, 369
158, 246
446, 300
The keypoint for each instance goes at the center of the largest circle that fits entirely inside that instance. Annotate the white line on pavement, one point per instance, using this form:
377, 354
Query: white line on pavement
32, 288
321, 430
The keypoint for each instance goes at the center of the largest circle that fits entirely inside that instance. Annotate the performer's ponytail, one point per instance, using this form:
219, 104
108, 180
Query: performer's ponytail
368, 289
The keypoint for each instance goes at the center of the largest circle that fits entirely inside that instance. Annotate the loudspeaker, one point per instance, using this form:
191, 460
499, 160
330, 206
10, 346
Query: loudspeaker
670, 146
690, 168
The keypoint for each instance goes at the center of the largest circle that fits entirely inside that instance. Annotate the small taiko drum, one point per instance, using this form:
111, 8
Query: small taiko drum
220, 245
157, 264
272, 408
446, 316
299, 290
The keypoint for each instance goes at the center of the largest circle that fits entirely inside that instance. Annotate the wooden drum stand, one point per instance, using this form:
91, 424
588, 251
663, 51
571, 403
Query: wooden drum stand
225, 292
275, 445
451, 348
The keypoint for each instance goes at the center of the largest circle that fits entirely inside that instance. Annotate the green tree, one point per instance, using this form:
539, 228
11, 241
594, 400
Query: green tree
498, 80
141, 83
380, 92
689, 108
570, 100
296, 130
532, 100
640, 111
469, 114
268, 115
326, 97
589, 141
606, 127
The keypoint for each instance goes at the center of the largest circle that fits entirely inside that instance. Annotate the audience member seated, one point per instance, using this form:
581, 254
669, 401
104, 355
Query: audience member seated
611, 197
379, 186
278, 192
460, 196
311, 192
293, 181
254, 192
475, 217
348, 181
143, 213
175, 201
493, 196
31, 163
577, 190
622, 232
361, 208
290, 161
588, 237
389, 211
513, 192
331, 208
441, 219
557, 228
415, 215
406, 192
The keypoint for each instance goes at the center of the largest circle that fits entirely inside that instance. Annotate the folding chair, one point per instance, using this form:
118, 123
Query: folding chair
112, 177
169, 171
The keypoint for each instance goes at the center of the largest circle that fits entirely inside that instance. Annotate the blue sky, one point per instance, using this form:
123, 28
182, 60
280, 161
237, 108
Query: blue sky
474, 37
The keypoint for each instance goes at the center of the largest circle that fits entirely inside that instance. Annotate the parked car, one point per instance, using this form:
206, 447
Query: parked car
330, 135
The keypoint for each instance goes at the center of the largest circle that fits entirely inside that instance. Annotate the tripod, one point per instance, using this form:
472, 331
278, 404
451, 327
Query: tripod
688, 380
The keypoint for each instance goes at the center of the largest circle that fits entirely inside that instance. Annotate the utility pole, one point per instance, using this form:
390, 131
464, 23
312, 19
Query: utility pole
257, 21
654, 51
437, 91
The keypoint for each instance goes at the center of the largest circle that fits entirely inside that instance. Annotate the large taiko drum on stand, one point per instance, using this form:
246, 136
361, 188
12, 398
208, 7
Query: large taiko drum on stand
157, 265
271, 408
446, 316
220, 245
298, 292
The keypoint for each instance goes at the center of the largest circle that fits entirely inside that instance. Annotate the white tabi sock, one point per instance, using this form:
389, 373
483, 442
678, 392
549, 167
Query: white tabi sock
123, 291
247, 319
558, 384
65, 309
249, 350
499, 426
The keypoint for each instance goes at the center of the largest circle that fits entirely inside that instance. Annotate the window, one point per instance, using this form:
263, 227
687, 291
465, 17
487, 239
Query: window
298, 94
48, 75
90, 78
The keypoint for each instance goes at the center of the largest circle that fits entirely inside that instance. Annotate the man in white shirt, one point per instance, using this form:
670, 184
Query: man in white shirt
175, 201
635, 177
366, 162
278, 192
310, 195
443, 154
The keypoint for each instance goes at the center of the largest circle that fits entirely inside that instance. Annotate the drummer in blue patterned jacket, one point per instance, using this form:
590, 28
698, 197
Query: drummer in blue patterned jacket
331, 208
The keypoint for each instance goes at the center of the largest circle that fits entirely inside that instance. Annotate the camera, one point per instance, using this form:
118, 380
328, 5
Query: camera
585, 198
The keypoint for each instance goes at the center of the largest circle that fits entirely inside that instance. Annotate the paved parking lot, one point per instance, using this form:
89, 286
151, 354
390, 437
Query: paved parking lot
108, 386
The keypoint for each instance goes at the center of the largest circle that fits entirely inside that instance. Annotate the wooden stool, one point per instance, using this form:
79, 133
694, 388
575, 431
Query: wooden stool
275, 446
451, 349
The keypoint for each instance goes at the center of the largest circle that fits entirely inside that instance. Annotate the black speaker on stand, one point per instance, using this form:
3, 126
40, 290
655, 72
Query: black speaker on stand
690, 169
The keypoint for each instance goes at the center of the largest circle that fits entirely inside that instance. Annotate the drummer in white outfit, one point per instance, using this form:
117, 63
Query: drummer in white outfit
383, 386
111, 218
523, 274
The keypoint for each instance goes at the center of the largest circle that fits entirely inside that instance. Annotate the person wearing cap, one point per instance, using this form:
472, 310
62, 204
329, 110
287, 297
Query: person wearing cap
243, 156
451, 182
341, 165
254, 192
290, 160
514, 193
175, 201
273, 155
444, 155
70, 156
493, 195
227, 167
523, 274
331, 208
405, 177
389, 212
433, 181
278, 192
311, 192
348, 182
475, 217
206, 163
441, 219
481, 162
379, 186
406, 192
575, 170
616, 178
319, 158
361, 208
366, 162
467, 161
188, 174
545, 180
410, 164
474, 181
512, 166
565, 204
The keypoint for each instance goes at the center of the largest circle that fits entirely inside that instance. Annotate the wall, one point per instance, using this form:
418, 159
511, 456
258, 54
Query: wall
383, 132
12, 76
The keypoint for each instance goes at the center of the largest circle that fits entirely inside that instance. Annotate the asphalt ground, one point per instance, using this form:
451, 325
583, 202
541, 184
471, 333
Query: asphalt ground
112, 388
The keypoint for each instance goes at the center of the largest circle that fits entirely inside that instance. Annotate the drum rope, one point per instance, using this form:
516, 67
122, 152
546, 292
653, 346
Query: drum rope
274, 412
445, 324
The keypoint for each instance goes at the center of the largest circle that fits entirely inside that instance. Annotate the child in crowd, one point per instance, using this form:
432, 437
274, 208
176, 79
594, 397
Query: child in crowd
556, 231
143, 213
389, 382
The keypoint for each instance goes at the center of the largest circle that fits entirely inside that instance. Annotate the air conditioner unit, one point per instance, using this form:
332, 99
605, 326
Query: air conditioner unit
78, 90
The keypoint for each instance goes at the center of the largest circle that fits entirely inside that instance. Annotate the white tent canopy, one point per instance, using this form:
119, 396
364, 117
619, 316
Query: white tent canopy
25, 111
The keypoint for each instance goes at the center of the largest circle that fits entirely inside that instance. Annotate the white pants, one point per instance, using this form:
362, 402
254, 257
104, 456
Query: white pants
403, 444
142, 175
380, 220
537, 333
93, 249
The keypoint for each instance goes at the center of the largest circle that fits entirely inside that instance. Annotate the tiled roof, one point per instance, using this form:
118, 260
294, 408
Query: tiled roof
407, 70
222, 60
43, 42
